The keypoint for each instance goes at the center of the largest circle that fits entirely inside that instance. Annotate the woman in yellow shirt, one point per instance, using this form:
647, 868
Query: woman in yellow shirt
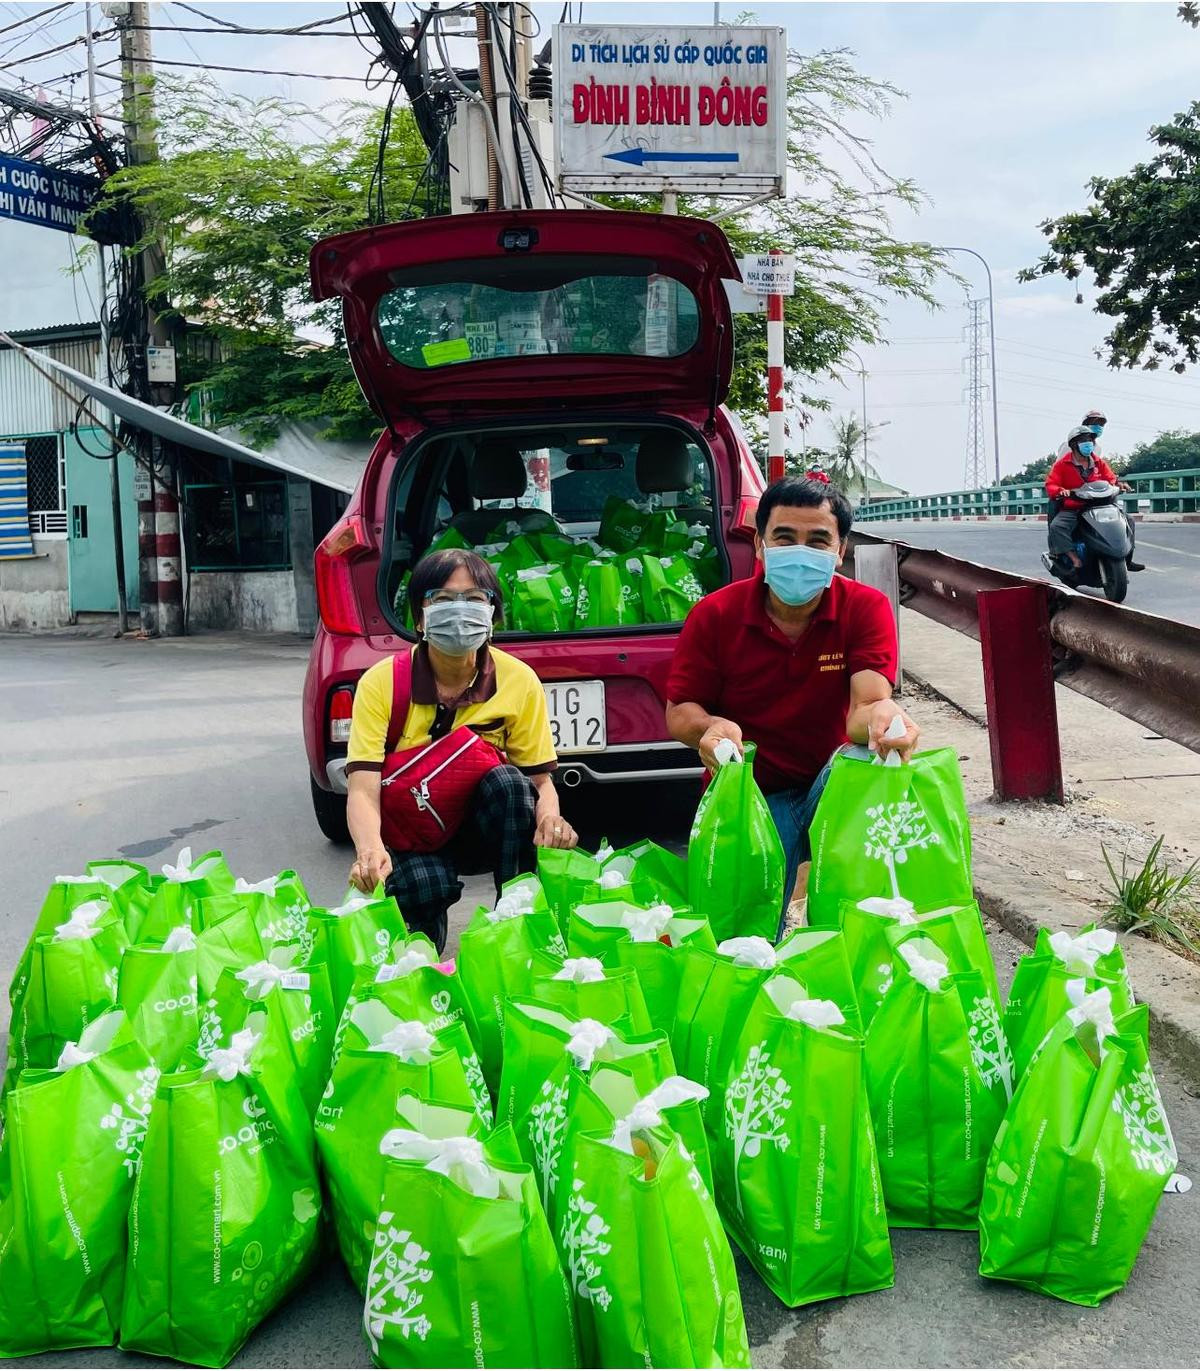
458, 679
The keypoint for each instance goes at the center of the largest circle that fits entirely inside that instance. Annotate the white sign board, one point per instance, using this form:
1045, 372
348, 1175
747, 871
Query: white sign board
671, 108
767, 275
160, 365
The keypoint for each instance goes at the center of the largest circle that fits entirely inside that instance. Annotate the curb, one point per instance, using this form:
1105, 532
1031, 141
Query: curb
1167, 984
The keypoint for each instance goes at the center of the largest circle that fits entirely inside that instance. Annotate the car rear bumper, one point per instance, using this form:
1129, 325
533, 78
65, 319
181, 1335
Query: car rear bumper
639, 762
636, 762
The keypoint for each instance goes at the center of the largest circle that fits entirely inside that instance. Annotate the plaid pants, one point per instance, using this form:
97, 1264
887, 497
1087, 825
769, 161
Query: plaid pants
497, 837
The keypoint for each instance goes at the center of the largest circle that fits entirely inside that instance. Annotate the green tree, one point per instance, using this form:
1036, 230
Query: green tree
1037, 470
844, 461
241, 191
1174, 451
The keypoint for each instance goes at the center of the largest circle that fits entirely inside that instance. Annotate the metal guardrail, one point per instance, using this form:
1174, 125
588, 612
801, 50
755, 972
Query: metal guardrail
1141, 665
1154, 492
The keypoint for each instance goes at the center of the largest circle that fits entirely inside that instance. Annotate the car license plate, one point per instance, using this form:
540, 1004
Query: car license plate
577, 719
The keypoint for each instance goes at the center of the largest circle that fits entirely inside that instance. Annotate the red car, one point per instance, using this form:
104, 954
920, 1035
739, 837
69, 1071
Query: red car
527, 367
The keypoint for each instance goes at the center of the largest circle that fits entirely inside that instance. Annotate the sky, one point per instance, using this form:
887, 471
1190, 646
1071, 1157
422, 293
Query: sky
1010, 109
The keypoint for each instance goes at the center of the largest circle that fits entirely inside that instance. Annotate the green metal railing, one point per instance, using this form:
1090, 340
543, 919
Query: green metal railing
1154, 492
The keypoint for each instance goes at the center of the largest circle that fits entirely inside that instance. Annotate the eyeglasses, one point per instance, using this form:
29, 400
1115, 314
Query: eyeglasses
450, 597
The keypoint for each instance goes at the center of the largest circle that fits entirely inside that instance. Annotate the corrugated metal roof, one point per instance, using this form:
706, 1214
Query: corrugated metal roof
327, 464
28, 402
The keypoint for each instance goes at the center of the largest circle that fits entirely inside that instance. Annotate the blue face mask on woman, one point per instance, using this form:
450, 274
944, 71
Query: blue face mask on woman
798, 574
1086, 449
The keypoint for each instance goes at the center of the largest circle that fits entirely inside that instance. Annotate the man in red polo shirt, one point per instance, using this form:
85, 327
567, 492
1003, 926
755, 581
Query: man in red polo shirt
795, 659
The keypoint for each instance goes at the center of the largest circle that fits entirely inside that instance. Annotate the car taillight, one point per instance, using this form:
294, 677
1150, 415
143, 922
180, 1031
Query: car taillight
744, 521
341, 707
342, 545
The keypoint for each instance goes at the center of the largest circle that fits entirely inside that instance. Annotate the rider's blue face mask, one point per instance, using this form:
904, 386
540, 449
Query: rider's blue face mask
1086, 449
1097, 429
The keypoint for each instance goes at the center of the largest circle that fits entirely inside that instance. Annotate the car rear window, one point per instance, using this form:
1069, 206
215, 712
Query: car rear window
563, 307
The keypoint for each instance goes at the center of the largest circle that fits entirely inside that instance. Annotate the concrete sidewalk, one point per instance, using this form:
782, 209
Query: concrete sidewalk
1043, 864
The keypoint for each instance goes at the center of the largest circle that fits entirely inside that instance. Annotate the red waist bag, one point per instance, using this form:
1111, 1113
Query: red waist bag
425, 792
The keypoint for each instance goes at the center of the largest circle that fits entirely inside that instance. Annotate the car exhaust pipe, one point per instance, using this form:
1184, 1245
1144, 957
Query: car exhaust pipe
572, 777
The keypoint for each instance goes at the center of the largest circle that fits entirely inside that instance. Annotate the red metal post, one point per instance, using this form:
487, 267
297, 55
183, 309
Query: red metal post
1018, 682
775, 421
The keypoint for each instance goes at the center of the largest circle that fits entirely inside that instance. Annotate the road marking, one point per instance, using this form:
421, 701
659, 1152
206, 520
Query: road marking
1165, 547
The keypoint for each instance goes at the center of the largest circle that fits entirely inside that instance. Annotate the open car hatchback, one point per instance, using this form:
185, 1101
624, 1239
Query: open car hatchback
551, 385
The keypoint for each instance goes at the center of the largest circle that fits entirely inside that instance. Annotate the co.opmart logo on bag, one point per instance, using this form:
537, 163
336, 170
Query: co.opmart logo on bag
175, 1003
256, 1133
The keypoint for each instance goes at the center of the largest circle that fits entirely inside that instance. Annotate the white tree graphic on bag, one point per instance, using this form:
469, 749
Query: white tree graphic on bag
756, 1104
547, 1124
989, 1045
394, 1280
477, 1085
895, 831
131, 1119
1144, 1120
583, 1234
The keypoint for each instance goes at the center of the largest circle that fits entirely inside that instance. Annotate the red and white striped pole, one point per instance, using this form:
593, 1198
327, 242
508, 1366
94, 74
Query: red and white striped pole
775, 452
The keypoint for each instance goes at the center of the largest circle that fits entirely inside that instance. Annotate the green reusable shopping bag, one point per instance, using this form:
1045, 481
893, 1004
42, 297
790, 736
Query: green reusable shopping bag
543, 600
520, 551
114, 883
72, 981
669, 588
602, 601
647, 1257
585, 989
464, 1270
1038, 998
414, 984
1080, 1161
939, 1077
357, 934
797, 1178
299, 995
735, 858
547, 1052
448, 538
382, 1059
617, 1090
69, 1154
225, 1216
896, 832
157, 989
873, 927
649, 941
173, 900
495, 955
621, 524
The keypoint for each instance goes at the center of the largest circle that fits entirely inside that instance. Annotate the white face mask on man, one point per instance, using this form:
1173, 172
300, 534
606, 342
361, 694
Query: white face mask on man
457, 627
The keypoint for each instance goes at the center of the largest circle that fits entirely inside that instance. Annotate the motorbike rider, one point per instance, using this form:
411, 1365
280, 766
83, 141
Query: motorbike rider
1080, 464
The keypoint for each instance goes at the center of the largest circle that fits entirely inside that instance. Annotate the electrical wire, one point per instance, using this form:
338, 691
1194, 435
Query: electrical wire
250, 71
281, 33
97, 36
476, 97
29, 18
30, 34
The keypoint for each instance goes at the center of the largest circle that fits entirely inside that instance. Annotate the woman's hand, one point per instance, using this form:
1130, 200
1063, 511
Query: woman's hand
371, 867
554, 831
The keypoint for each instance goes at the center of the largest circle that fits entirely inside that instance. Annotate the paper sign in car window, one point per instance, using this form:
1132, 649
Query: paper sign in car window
453, 350
481, 338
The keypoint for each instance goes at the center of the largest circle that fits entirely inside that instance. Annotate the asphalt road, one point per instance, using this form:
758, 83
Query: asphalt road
136, 748
1169, 586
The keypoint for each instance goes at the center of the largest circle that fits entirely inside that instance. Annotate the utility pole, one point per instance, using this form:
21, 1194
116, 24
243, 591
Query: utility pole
114, 470
158, 508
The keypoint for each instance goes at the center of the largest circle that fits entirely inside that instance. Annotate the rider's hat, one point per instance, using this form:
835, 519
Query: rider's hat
1080, 435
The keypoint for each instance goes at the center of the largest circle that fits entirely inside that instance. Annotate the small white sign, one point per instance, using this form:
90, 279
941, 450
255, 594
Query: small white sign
160, 366
767, 275
742, 301
141, 483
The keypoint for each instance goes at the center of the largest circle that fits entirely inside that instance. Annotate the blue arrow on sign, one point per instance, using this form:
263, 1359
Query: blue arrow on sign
637, 157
